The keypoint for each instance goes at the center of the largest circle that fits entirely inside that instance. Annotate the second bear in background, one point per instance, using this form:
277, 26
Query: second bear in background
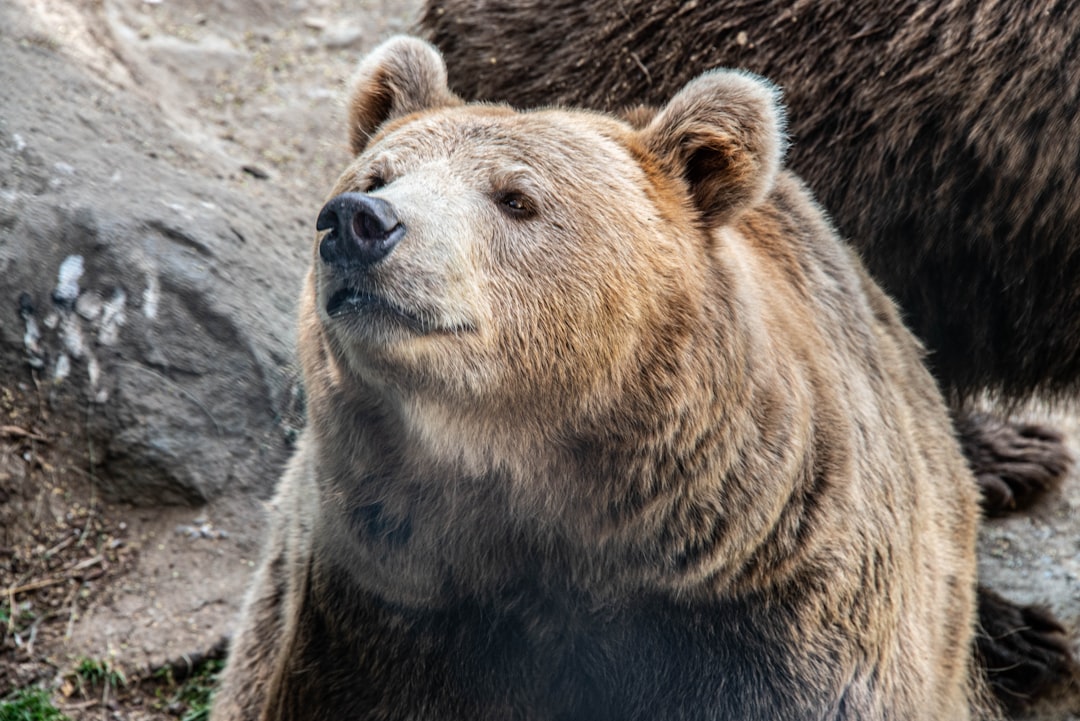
943, 138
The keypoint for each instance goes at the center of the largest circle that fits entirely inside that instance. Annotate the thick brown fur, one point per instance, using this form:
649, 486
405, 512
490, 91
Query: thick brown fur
619, 430
944, 139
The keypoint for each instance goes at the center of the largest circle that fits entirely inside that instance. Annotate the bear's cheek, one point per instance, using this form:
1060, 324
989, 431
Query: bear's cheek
552, 339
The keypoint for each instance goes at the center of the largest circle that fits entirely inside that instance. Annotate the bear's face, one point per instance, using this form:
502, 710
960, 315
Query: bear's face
495, 258
516, 270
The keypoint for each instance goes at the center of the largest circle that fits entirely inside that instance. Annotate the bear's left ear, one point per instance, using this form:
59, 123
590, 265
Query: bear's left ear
724, 134
402, 75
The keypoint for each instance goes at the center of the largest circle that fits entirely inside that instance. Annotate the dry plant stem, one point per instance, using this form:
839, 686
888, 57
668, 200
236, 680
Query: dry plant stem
32, 586
17, 432
80, 706
60, 546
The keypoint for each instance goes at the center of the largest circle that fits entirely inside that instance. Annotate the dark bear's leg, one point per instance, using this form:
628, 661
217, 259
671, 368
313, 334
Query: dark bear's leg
1024, 651
1014, 463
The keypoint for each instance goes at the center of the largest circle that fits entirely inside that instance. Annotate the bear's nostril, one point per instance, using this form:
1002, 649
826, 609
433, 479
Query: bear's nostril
371, 227
328, 219
330, 248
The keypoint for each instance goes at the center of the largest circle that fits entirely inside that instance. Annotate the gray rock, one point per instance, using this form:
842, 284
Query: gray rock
152, 308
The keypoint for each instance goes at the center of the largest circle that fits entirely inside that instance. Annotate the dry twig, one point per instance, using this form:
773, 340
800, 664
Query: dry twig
32, 586
17, 432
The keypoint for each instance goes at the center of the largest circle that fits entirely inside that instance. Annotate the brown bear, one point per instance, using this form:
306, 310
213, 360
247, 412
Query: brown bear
944, 140
604, 422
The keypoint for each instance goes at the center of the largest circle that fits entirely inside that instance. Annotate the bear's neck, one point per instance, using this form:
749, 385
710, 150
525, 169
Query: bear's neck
687, 485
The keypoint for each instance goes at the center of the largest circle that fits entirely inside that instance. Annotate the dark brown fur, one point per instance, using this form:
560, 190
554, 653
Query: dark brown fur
944, 138
646, 443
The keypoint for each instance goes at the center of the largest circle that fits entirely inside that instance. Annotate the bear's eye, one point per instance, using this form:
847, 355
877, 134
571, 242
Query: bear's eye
515, 204
374, 183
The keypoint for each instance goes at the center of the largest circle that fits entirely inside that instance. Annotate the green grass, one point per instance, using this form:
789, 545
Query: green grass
95, 673
29, 704
16, 618
194, 694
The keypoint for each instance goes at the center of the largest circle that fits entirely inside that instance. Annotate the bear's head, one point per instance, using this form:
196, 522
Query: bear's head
526, 266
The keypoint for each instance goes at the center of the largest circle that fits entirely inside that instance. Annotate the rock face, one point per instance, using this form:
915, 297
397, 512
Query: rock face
161, 168
148, 305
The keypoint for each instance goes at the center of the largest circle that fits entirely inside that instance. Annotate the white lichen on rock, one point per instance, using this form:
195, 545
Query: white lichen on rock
67, 283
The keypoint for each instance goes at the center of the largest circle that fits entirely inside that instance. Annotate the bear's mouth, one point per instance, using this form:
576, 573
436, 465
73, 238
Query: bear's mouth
353, 302
350, 301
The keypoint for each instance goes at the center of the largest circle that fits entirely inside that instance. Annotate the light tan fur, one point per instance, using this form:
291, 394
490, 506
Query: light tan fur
658, 403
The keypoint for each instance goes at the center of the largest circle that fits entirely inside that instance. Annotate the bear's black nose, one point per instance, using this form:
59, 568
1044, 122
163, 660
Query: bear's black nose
362, 229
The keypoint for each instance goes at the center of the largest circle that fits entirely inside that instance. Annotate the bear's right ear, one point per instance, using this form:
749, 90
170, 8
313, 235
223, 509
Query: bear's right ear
724, 135
402, 75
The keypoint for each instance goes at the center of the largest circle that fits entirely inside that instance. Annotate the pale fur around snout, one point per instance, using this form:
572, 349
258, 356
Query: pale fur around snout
433, 272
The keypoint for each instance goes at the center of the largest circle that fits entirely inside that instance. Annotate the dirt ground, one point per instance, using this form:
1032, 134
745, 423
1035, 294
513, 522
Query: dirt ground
91, 590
